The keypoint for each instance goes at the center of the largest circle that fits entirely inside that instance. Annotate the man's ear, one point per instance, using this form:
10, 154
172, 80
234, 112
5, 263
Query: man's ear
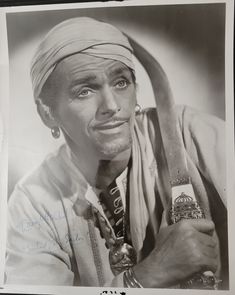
45, 114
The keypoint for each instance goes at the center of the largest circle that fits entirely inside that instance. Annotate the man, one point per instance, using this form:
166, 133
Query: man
96, 212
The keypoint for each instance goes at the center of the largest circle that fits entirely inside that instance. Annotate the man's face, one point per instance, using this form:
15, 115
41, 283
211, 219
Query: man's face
95, 105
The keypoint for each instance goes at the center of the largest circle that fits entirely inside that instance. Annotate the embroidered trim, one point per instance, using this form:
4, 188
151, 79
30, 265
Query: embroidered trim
95, 249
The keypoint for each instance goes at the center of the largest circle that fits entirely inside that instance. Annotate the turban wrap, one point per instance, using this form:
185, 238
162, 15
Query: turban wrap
78, 35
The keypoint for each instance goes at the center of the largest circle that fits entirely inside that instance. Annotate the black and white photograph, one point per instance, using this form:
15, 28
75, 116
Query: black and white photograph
119, 127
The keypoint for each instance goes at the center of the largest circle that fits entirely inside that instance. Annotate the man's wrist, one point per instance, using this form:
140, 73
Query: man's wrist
130, 280
141, 274
149, 276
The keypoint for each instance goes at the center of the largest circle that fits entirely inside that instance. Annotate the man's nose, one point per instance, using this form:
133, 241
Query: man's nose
108, 103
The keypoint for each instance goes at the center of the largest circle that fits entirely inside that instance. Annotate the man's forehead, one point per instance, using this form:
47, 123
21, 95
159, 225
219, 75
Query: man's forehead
80, 65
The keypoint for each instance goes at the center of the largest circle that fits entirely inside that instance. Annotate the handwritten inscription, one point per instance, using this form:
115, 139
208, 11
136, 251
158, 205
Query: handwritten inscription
51, 245
26, 225
39, 245
77, 238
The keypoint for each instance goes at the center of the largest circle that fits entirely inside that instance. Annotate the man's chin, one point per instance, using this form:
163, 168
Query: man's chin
111, 150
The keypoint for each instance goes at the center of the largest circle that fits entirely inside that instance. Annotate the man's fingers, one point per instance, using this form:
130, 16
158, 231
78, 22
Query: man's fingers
207, 240
203, 225
210, 264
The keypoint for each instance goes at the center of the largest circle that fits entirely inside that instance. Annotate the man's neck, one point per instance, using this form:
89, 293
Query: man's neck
100, 173
109, 170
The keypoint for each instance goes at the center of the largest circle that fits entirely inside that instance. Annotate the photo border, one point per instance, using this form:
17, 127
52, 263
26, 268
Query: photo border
4, 92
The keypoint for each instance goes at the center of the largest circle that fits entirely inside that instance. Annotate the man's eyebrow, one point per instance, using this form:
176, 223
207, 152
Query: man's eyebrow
91, 78
83, 80
119, 71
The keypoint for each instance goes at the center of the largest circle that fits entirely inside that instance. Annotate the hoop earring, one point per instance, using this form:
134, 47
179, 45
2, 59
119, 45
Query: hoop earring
138, 109
55, 131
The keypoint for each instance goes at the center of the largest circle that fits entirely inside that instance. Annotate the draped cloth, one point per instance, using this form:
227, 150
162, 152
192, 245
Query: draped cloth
78, 35
142, 195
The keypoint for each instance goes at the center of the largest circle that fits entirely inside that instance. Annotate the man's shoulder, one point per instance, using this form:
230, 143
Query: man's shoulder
186, 115
198, 124
47, 181
191, 123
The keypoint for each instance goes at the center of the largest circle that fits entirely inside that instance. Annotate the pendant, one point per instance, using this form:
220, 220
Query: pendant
122, 256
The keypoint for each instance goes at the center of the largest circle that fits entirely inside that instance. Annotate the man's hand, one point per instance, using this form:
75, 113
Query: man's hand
182, 249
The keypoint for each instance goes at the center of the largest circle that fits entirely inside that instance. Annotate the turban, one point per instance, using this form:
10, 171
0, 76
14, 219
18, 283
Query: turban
77, 35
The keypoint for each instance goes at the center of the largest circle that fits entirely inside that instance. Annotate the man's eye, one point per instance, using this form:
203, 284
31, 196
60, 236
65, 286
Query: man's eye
84, 93
121, 84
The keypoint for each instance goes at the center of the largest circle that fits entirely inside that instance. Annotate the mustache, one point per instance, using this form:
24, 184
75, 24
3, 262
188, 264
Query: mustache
113, 120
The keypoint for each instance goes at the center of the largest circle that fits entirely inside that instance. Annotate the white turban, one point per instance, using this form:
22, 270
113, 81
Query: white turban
81, 34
